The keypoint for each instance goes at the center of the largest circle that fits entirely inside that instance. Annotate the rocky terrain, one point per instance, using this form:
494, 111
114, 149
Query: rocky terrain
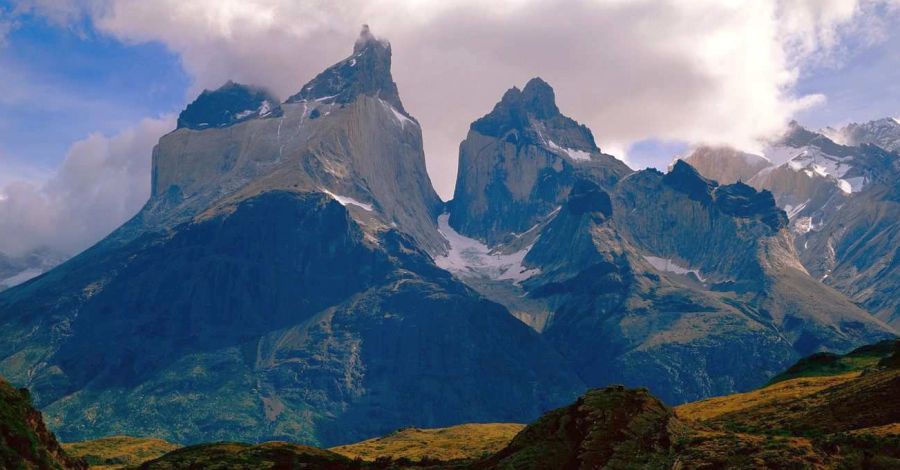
841, 203
25, 442
518, 163
295, 277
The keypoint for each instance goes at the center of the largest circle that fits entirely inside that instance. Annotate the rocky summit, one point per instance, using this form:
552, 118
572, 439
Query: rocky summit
518, 163
294, 276
841, 202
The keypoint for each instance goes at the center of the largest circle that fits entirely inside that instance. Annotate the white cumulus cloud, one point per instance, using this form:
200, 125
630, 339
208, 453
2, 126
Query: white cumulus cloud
102, 182
692, 70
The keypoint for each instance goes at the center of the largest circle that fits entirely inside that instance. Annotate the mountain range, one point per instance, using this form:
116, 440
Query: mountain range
841, 199
294, 275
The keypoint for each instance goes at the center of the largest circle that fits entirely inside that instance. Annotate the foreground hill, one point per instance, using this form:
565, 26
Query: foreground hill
116, 452
466, 441
25, 442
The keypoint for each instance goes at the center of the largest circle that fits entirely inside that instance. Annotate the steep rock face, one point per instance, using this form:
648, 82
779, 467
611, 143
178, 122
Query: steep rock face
366, 72
726, 165
841, 204
25, 442
519, 162
668, 279
346, 133
855, 249
277, 318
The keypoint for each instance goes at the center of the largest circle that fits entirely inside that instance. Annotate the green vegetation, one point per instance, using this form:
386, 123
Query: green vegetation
114, 452
827, 364
466, 441
846, 420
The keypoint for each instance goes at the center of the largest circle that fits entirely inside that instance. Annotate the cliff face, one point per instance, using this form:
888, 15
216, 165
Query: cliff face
25, 441
838, 194
345, 133
519, 162
668, 279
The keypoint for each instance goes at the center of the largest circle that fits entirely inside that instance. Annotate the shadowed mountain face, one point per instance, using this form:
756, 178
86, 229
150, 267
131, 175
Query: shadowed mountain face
25, 441
519, 162
276, 319
686, 287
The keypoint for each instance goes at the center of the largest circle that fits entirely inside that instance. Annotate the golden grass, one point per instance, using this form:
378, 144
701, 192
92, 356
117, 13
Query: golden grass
892, 429
456, 442
115, 452
789, 389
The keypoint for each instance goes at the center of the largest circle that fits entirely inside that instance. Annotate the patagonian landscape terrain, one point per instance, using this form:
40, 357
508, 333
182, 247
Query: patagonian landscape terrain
295, 294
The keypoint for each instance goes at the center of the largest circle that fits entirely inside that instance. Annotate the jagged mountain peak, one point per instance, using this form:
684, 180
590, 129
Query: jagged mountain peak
366, 39
539, 98
884, 132
532, 116
685, 178
366, 72
227, 105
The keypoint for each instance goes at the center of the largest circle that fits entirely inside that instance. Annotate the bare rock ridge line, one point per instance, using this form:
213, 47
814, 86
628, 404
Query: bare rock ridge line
838, 188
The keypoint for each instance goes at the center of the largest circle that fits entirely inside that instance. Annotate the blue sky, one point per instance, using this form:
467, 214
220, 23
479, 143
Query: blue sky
62, 83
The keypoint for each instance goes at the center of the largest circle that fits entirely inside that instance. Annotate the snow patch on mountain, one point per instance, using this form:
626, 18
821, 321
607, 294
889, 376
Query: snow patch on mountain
468, 257
572, 153
344, 200
397, 114
667, 265
793, 211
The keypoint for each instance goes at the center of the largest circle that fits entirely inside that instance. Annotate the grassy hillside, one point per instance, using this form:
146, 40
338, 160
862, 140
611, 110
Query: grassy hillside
465, 441
230, 455
115, 452
829, 364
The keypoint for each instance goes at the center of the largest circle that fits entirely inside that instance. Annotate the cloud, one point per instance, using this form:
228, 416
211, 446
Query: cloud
102, 182
7, 24
676, 70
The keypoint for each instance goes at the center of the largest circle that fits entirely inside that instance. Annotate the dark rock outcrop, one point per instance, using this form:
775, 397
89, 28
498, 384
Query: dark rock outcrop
230, 104
366, 72
519, 162
612, 428
25, 442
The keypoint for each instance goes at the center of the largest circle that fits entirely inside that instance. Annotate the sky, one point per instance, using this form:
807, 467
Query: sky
88, 86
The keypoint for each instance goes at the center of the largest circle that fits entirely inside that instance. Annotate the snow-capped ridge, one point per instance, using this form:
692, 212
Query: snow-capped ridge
468, 257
